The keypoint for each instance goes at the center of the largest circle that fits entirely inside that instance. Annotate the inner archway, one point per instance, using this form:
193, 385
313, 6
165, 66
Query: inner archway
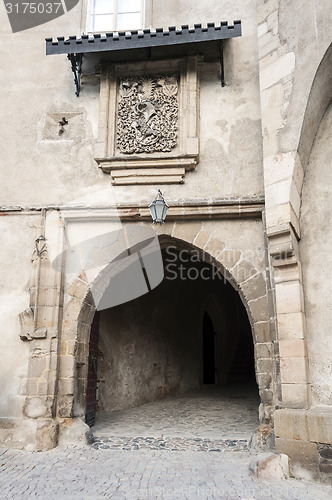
154, 348
209, 350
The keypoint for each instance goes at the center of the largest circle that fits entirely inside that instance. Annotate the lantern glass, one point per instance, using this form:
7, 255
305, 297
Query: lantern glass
159, 206
152, 209
158, 209
166, 207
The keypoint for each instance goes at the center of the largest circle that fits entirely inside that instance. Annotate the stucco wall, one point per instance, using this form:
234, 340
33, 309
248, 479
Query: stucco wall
293, 38
315, 251
18, 233
39, 167
61, 168
309, 36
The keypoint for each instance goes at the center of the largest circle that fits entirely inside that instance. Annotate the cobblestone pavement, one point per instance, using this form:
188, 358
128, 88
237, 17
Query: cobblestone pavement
189, 447
170, 444
229, 412
80, 473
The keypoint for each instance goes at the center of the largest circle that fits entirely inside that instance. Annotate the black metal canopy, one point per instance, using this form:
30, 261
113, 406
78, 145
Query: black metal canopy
146, 43
131, 40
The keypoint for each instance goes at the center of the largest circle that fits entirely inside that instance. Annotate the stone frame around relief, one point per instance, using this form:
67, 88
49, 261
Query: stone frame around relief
162, 167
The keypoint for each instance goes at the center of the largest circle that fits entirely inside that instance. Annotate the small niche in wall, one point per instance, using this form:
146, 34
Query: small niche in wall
62, 126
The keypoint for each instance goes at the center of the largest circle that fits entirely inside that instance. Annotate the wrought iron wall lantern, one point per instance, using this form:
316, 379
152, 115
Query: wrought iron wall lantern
158, 209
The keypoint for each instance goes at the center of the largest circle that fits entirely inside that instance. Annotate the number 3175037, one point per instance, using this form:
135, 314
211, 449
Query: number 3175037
33, 8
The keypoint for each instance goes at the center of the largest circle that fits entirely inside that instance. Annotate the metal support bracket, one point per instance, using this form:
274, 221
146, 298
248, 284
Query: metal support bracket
222, 69
76, 66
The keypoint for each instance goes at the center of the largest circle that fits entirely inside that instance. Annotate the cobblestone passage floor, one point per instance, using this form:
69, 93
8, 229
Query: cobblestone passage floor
215, 413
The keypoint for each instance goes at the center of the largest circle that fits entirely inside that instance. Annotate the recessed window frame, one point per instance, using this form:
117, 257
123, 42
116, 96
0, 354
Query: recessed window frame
90, 16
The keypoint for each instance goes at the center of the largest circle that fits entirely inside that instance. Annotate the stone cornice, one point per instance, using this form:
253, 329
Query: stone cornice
185, 210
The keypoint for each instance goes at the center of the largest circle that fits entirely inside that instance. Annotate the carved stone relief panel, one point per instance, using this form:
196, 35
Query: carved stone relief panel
147, 117
148, 122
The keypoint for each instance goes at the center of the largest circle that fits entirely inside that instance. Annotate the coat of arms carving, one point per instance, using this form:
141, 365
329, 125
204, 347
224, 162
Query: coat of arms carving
147, 118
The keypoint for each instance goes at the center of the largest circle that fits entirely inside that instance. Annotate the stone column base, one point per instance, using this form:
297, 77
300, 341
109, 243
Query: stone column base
29, 434
306, 437
74, 431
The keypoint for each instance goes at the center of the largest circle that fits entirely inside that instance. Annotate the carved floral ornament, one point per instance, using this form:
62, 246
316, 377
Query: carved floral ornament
147, 114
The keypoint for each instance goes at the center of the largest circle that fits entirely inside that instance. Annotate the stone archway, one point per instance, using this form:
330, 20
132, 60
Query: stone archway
303, 289
316, 260
315, 221
284, 174
248, 280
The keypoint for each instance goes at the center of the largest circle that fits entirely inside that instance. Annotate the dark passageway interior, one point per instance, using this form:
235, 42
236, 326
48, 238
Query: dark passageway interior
190, 332
209, 351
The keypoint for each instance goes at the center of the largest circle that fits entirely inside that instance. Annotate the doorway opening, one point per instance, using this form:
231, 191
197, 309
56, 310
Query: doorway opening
209, 354
190, 338
91, 388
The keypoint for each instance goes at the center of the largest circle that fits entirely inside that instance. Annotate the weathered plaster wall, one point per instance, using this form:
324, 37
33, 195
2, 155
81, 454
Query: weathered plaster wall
233, 112
309, 38
54, 169
41, 167
34, 85
18, 233
292, 41
316, 224
62, 168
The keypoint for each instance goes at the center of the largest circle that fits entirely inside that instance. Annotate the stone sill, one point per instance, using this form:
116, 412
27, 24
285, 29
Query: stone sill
155, 170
